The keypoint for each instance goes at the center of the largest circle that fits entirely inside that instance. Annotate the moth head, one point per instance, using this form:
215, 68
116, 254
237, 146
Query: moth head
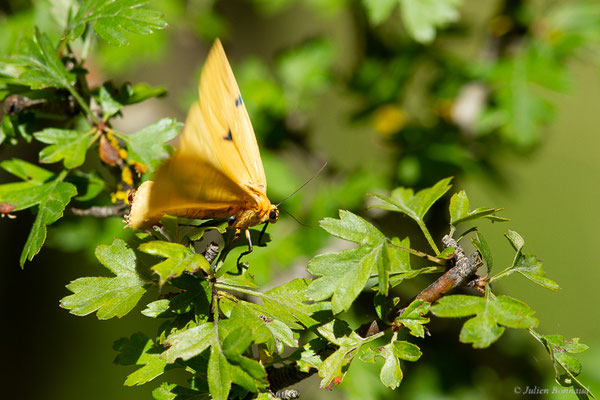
273, 214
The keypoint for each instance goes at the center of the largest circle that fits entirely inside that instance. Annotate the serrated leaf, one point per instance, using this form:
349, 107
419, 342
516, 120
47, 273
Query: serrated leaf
289, 303
405, 201
276, 333
344, 274
112, 17
530, 267
157, 309
65, 144
460, 213
334, 367
42, 67
172, 391
139, 350
109, 296
189, 343
147, 146
179, 259
413, 317
422, 18
26, 171
51, 198
491, 314
391, 372
219, 376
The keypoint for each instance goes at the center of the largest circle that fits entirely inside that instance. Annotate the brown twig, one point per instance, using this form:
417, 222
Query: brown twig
101, 211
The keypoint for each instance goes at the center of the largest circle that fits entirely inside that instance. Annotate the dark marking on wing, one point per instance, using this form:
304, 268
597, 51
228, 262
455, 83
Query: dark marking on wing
228, 137
238, 101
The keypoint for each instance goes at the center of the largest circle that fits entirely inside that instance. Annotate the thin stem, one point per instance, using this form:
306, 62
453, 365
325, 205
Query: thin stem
82, 103
418, 253
429, 238
239, 289
502, 274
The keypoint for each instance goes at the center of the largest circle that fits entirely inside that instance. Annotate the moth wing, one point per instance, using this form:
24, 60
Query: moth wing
218, 127
187, 187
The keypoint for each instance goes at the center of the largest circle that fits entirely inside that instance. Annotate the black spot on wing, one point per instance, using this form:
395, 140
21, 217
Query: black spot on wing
238, 101
228, 136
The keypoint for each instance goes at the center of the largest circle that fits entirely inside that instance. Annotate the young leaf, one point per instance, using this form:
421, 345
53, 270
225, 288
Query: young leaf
109, 296
147, 146
560, 348
459, 210
482, 247
421, 18
333, 368
67, 145
491, 315
42, 66
139, 350
344, 274
391, 372
112, 17
179, 259
526, 264
412, 317
405, 201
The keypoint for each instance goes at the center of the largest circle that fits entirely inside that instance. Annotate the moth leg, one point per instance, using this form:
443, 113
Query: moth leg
262, 233
250, 248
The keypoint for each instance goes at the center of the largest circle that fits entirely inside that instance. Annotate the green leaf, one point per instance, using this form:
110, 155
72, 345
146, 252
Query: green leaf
109, 296
67, 145
139, 350
379, 10
26, 171
179, 259
515, 240
289, 304
531, 268
422, 17
405, 201
157, 309
113, 99
172, 391
147, 146
273, 332
189, 343
459, 210
51, 198
333, 368
112, 17
219, 375
344, 274
391, 372
42, 66
412, 317
482, 247
526, 264
491, 315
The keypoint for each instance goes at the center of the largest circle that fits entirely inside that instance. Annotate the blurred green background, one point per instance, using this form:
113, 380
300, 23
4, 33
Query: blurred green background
331, 81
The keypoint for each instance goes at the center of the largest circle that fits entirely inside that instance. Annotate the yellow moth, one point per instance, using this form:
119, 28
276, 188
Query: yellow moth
217, 171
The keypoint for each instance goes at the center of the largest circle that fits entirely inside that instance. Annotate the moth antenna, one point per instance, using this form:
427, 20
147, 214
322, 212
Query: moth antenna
296, 219
304, 184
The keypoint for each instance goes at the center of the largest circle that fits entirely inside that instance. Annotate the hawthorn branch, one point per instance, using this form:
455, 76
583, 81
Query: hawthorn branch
462, 273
